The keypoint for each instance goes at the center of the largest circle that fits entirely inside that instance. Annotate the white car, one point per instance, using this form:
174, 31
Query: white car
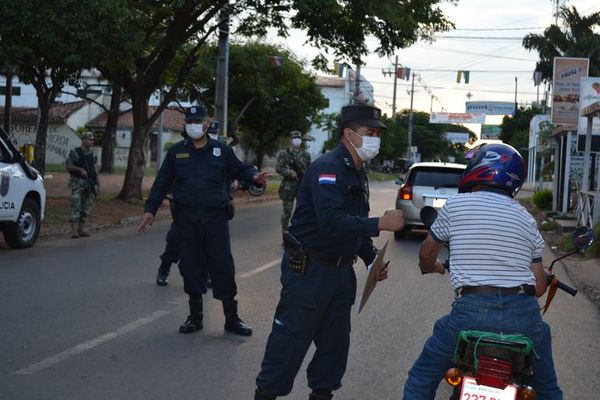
426, 184
22, 197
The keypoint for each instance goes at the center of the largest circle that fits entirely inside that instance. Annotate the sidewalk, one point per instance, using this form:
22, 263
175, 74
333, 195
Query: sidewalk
585, 273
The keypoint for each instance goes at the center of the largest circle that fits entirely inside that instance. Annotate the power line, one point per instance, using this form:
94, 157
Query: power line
480, 54
498, 29
480, 37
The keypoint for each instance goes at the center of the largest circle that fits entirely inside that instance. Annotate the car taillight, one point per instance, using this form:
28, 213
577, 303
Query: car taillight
405, 192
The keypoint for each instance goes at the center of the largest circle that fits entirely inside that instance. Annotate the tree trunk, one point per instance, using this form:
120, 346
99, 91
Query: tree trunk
132, 185
260, 155
108, 141
42, 133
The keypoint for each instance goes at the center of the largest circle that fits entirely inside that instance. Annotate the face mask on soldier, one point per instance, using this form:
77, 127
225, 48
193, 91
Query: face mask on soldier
296, 142
194, 131
369, 148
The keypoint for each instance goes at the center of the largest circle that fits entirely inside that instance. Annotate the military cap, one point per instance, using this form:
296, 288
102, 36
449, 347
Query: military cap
87, 135
196, 113
363, 115
295, 134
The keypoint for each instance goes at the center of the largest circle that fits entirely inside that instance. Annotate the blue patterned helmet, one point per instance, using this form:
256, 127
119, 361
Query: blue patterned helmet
494, 165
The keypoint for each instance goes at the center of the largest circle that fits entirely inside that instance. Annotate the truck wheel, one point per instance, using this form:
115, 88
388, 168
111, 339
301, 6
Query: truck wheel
25, 231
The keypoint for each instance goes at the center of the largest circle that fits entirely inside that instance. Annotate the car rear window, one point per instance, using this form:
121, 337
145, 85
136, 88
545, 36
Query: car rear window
436, 177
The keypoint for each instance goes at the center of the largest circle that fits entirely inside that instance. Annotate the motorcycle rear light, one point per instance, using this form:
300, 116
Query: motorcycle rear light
405, 192
526, 393
493, 372
454, 377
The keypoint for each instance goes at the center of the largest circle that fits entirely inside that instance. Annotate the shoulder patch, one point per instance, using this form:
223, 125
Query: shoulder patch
182, 155
327, 179
217, 151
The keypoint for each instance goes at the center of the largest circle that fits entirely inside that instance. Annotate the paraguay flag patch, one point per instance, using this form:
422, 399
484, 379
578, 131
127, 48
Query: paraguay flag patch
327, 179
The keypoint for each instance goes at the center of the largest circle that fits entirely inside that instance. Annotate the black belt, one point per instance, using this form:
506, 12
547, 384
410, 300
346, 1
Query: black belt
329, 259
521, 289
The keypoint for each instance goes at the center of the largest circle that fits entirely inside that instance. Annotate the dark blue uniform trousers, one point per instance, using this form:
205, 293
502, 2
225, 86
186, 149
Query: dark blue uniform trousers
205, 248
315, 308
172, 251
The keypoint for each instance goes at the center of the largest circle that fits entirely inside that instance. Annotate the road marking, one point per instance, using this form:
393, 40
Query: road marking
90, 344
262, 268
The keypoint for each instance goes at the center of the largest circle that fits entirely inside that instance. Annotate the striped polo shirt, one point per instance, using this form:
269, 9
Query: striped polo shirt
493, 240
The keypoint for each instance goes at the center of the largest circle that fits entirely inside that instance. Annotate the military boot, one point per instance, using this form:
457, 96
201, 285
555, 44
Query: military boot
258, 395
82, 231
74, 230
163, 273
320, 395
233, 323
193, 322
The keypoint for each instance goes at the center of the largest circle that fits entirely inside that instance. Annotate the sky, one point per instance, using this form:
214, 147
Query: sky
493, 63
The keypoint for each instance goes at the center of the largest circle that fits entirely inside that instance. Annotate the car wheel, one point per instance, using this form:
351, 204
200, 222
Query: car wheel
402, 233
25, 231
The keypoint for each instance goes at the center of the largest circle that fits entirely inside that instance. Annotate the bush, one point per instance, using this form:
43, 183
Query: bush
543, 199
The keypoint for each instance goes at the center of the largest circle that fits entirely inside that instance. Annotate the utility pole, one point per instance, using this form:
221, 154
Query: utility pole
222, 70
410, 118
395, 72
8, 103
159, 144
357, 84
516, 107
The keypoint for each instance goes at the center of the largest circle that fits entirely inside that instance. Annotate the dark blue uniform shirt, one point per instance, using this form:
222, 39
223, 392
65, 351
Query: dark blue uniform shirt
332, 211
198, 179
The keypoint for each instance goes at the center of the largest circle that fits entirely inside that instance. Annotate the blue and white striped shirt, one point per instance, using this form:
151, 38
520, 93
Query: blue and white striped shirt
493, 240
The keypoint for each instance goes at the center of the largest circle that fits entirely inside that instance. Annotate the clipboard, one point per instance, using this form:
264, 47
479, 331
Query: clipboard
376, 266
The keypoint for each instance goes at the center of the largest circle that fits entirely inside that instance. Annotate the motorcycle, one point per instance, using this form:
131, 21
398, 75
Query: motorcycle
493, 366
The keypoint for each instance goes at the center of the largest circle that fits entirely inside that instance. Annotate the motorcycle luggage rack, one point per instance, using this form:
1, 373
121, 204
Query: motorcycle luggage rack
514, 349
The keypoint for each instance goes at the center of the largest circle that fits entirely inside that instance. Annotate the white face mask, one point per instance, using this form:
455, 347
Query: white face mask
369, 148
194, 131
296, 142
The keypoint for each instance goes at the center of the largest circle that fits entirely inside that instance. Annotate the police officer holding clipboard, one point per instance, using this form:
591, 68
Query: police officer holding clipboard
329, 229
197, 171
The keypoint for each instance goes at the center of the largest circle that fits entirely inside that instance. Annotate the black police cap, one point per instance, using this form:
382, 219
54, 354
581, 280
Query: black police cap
363, 115
196, 113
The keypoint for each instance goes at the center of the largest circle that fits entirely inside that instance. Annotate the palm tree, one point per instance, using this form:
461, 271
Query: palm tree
576, 38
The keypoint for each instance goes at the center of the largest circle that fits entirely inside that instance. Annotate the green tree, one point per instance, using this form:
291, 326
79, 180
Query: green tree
275, 99
578, 37
48, 43
158, 43
515, 129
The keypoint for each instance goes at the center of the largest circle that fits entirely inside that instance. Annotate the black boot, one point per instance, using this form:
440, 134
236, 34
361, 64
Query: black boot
163, 273
193, 322
258, 395
319, 394
233, 323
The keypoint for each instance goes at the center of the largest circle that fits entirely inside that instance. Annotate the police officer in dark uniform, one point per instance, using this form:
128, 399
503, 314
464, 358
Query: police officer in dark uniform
329, 229
196, 170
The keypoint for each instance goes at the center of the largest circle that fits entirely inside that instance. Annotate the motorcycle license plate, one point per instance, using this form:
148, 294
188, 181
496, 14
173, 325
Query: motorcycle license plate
472, 391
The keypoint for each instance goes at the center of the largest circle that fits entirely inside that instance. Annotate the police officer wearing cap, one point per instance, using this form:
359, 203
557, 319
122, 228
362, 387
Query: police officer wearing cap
329, 229
196, 171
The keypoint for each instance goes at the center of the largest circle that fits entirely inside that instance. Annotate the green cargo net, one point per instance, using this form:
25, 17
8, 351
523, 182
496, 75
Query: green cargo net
477, 338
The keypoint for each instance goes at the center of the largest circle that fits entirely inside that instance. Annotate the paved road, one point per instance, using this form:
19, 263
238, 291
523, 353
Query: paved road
84, 320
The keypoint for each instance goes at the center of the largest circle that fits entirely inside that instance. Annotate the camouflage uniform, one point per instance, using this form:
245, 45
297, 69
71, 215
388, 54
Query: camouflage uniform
81, 197
290, 160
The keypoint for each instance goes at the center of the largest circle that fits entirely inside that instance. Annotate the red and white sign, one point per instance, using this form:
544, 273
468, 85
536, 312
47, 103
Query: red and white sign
568, 72
456, 118
472, 391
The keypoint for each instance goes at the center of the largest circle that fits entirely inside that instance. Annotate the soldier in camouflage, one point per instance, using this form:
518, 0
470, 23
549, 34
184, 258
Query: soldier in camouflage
84, 184
291, 165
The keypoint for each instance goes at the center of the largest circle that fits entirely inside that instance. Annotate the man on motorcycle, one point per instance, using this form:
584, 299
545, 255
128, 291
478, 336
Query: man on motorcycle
495, 268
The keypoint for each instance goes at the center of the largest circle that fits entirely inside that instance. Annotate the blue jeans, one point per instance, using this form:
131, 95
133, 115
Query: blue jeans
515, 313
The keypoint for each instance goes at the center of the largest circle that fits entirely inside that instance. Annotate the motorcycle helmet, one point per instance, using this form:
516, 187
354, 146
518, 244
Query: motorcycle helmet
495, 165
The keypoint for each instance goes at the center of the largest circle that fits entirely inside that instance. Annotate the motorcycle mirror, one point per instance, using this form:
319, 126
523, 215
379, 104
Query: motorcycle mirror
583, 237
428, 215
399, 181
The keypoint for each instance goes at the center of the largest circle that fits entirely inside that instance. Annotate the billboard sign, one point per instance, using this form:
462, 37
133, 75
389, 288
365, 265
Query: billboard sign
457, 137
490, 107
567, 74
491, 132
456, 118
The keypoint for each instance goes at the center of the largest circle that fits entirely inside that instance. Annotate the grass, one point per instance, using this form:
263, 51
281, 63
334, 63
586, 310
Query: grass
381, 177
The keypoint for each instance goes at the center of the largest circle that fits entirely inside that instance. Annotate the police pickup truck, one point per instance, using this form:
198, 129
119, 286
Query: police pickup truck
22, 197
